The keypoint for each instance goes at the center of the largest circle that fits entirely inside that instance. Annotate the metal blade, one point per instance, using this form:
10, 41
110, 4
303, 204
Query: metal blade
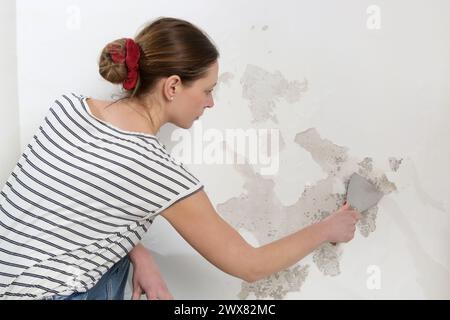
361, 193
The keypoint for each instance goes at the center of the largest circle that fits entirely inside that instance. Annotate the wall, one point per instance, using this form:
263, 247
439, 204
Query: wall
349, 86
9, 120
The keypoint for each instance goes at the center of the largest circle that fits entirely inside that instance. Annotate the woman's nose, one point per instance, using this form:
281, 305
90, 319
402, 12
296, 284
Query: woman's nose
210, 103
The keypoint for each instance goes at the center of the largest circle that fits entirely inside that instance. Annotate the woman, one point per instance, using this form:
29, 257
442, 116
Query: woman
93, 178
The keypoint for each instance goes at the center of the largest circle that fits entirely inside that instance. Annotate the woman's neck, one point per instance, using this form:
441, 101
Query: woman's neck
149, 110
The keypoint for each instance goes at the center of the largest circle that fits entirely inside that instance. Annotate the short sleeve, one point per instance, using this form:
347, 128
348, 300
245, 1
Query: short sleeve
180, 183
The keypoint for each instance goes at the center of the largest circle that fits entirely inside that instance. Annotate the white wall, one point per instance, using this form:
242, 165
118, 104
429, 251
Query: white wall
9, 108
380, 92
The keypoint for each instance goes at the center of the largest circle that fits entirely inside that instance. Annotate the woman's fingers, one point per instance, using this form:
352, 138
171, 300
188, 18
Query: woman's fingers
356, 215
151, 295
346, 206
137, 292
160, 295
166, 296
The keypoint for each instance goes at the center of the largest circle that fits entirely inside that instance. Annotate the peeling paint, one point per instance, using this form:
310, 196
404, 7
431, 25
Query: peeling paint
259, 210
367, 224
326, 259
395, 163
263, 89
277, 285
366, 166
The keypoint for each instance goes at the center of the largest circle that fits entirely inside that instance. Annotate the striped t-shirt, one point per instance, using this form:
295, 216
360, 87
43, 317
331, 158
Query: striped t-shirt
81, 196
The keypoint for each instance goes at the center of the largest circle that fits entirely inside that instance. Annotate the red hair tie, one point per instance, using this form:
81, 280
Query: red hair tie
130, 56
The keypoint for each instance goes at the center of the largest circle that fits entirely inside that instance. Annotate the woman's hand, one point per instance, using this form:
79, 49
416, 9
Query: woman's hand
340, 225
146, 276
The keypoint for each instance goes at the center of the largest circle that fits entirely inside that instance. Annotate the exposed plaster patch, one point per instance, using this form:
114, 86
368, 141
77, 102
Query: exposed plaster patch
395, 163
277, 285
263, 89
259, 210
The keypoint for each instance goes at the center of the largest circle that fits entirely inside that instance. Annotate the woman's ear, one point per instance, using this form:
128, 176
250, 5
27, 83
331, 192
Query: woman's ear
172, 86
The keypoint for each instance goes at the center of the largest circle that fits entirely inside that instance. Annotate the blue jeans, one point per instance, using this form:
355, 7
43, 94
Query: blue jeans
111, 285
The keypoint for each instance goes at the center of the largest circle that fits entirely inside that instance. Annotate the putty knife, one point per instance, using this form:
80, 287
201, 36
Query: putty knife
361, 194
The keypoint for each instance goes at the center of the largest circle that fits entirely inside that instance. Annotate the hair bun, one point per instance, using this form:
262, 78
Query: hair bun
163, 48
111, 71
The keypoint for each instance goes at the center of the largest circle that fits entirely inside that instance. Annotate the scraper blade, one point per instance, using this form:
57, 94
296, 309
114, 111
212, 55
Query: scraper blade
361, 193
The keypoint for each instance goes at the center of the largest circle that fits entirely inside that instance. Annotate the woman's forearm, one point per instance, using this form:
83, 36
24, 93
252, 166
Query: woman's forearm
287, 251
196, 220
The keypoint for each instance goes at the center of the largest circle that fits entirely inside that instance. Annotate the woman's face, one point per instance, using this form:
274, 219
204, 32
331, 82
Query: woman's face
190, 102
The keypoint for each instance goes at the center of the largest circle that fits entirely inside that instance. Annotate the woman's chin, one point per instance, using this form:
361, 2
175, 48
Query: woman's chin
186, 125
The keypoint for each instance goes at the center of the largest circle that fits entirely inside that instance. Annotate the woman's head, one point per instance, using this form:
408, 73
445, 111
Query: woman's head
177, 64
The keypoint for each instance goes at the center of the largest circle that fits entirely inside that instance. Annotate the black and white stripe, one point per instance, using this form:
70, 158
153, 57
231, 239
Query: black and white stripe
82, 194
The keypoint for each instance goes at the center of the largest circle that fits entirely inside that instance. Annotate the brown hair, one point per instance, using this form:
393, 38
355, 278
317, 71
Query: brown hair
168, 47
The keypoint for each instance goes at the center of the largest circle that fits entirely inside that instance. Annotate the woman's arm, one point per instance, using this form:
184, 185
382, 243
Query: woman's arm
196, 220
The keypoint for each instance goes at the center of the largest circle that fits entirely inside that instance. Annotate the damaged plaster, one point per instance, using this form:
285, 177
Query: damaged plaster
259, 211
264, 89
276, 285
394, 163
